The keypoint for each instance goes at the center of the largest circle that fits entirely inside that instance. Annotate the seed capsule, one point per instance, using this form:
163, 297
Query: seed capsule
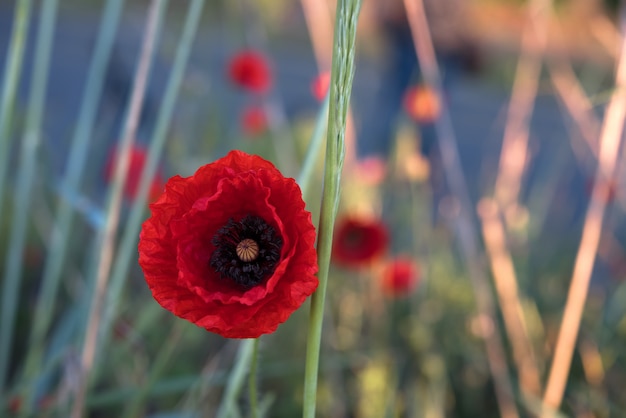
247, 250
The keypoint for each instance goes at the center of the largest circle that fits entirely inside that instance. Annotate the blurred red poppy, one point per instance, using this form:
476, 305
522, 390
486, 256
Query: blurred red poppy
400, 277
138, 156
250, 70
320, 85
253, 121
422, 104
608, 189
358, 241
230, 248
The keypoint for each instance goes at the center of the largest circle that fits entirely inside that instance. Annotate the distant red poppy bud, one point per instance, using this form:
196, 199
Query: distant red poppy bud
138, 157
320, 85
253, 121
400, 277
230, 248
250, 70
422, 104
359, 241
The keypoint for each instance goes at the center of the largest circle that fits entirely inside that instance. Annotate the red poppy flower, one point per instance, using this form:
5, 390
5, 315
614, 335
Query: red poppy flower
253, 121
250, 70
358, 241
138, 156
400, 277
230, 248
422, 104
319, 86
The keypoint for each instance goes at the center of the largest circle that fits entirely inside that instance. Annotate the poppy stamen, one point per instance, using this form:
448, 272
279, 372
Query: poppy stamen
246, 251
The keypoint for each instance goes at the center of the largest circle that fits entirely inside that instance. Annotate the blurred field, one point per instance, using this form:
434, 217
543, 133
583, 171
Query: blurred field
417, 354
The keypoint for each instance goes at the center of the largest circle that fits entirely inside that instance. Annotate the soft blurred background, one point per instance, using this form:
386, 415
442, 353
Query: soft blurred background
445, 296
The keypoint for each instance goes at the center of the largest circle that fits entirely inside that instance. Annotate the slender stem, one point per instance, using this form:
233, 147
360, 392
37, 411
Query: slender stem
153, 24
340, 90
76, 162
128, 246
252, 380
466, 230
612, 130
32, 137
10, 83
312, 152
228, 407
12, 74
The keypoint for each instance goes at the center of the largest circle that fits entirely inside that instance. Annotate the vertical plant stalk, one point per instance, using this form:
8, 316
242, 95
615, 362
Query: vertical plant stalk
506, 286
107, 245
612, 130
127, 249
228, 407
342, 75
466, 231
10, 84
27, 167
514, 154
57, 248
252, 380
319, 26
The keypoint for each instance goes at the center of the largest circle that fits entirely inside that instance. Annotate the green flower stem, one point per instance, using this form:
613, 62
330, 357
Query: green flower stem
252, 378
12, 74
341, 86
127, 250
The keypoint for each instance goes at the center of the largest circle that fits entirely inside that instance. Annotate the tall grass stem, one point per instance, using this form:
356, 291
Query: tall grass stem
610, 140
107, 244
342, 75
60, 239
12, 73
127, 249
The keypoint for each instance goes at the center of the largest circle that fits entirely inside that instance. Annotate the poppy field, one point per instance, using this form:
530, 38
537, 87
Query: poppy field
282, 208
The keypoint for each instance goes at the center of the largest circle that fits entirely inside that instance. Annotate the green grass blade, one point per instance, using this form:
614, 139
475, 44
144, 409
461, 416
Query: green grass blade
127, 250
76, 162
10, 83
340, 89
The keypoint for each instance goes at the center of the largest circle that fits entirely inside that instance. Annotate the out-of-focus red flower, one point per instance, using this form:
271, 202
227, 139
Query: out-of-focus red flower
358, 241
608, 189
250, 70
138, 156
319, 86
400, 276
422, 104
371, 170
253, 121
230, 248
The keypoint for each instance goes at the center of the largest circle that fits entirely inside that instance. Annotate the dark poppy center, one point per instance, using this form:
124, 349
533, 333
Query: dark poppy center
246, 251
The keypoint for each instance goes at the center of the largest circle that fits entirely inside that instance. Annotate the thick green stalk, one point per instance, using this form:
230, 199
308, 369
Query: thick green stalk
340, 89
127, 249
10, 83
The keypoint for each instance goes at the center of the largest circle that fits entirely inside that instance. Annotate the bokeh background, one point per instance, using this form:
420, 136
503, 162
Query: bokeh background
411, 348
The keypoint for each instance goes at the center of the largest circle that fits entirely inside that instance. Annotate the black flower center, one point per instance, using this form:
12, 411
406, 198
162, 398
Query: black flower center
247, 251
